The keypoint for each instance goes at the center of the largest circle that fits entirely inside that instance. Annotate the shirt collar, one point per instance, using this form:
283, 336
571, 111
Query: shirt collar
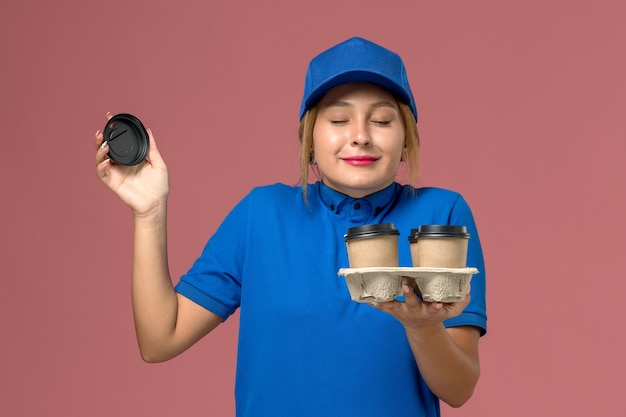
372, 204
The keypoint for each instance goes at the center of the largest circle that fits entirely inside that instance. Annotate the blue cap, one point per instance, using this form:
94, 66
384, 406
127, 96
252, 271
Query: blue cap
356, 60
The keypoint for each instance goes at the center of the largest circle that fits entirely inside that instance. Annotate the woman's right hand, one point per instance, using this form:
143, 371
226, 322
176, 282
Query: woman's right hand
143, 187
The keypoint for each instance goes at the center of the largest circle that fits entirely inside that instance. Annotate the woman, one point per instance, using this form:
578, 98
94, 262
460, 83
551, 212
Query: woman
305, 348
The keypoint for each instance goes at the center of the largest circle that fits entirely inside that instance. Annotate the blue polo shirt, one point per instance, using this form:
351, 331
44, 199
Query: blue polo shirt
305, 348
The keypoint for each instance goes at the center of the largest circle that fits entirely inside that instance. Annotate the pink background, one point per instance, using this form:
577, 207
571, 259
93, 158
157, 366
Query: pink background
521, 107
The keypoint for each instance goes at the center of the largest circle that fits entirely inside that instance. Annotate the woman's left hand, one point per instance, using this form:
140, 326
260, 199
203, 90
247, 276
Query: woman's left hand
413, 313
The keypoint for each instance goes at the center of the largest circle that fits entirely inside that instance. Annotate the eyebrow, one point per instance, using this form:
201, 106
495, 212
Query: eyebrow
377, 104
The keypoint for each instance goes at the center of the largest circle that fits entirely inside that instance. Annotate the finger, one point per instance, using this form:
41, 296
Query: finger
386, 306
436, 306
103, 168
152, 141
99, 134
98, 139
410, 297
102, 153
102, 148
154, 156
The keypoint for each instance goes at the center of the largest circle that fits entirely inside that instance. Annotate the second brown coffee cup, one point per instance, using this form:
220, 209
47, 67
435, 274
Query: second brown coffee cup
439, 246
372, 245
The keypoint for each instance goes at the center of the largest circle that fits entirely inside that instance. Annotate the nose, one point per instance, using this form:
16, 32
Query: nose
360, 135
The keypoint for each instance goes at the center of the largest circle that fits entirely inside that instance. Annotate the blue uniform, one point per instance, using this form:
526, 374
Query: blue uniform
305, 348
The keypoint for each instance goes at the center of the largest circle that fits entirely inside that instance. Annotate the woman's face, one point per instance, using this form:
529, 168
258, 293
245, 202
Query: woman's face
358, 139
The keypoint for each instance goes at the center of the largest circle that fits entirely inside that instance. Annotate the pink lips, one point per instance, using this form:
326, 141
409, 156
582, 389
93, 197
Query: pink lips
360, 160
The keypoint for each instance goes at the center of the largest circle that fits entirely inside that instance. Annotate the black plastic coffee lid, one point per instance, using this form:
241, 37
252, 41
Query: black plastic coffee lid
439, 230
371, 230
127, 138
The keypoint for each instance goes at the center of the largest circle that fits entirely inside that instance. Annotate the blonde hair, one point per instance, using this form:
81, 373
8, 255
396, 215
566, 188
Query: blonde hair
410, 155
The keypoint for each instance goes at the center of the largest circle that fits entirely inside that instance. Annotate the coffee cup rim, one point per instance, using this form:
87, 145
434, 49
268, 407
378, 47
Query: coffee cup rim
371, 230
438, 231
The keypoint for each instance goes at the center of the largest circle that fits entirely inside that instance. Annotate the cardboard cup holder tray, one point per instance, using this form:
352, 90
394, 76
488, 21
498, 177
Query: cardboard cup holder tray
381, 284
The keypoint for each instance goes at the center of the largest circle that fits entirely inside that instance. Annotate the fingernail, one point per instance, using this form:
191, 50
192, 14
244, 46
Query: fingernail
97, 132
104, 144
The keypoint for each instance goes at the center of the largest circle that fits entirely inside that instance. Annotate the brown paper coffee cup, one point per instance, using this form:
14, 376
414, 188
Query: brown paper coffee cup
439, 246
374, 245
